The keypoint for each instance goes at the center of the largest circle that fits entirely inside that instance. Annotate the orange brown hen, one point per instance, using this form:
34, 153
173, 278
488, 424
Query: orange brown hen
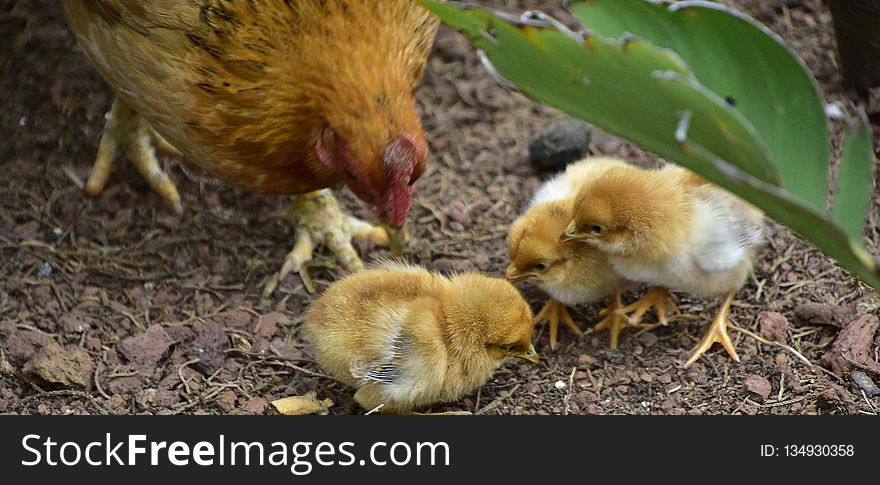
283, 97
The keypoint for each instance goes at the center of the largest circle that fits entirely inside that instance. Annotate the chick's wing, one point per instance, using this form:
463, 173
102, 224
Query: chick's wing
409, 354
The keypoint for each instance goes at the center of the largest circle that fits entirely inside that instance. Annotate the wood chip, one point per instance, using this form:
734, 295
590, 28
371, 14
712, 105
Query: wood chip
302, 405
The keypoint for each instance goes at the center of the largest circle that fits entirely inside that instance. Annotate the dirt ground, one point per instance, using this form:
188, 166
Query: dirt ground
113, 305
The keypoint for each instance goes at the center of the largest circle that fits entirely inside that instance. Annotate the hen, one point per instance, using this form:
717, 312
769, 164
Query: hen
278, 97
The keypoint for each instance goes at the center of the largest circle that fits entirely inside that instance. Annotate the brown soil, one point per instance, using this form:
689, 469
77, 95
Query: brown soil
113, 305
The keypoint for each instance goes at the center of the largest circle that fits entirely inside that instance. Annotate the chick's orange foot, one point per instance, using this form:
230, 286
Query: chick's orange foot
126, 133
555, 312
614, 320
657, 298
319, 221
717, 332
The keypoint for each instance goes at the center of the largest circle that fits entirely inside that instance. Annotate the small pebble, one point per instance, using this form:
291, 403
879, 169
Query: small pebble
648, 339
561, 143
816, 313
44, 270
773, 326
758, 386
863, 382
585, 359
559, 385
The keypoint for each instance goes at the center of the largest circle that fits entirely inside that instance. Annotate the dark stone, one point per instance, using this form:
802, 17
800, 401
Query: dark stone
563, 142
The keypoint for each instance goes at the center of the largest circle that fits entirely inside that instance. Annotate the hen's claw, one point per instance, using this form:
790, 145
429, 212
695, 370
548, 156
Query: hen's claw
717, 332
615, 320
554, 312
318, 220
127, 133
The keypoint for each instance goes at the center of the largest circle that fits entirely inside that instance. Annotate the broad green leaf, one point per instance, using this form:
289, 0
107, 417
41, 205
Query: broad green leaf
815, 227
629, 88
648, 95
742, 61
855, 179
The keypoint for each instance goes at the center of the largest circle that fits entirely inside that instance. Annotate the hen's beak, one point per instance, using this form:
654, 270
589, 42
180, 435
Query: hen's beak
571, 233
530, 354
513, 274
396, 238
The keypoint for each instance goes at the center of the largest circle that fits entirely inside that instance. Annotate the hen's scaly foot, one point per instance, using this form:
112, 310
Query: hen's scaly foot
554, 312
127, 133
717, 332
657, 298
615, 320
318, 220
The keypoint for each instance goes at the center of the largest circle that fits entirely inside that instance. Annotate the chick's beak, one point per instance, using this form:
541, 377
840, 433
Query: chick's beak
530, 354
514, 275
571, 233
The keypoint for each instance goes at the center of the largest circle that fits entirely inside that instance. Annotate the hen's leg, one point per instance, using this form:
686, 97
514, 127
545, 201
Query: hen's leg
127, 133
657, 298
318, 220
615, 320
717, 332
554, 312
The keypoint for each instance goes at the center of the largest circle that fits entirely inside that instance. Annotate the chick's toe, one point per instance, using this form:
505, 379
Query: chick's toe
717, 332
657, 298
129, 134
614, 320
555, 312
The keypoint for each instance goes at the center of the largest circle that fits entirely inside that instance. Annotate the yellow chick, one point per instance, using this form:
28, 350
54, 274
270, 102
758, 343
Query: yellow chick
570, 272
671, 228
407, 338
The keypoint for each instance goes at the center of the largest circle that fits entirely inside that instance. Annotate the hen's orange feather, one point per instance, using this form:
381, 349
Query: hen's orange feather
244, 89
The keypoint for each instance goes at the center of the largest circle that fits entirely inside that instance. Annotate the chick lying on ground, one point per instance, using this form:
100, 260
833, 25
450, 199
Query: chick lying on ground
569, 271
672, 229
407, 338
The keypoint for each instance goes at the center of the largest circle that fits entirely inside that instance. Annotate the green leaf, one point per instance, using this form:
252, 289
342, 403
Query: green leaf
815, 227
742, 61
630, 88
648, 95
855, 179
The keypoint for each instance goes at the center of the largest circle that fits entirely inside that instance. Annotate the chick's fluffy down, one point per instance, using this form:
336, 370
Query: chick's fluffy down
407, 338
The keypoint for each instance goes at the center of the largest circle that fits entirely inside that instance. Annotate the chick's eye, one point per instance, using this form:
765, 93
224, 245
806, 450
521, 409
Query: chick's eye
541, 266
597, 229
506, 349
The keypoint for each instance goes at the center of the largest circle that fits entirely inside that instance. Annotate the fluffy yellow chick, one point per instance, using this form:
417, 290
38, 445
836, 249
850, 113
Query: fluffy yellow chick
570, 272
671, 228
407, 338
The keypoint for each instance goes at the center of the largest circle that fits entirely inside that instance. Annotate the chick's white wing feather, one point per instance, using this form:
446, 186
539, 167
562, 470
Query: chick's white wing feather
566, 184
401, 368
725, 230
557, 188
390, 349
